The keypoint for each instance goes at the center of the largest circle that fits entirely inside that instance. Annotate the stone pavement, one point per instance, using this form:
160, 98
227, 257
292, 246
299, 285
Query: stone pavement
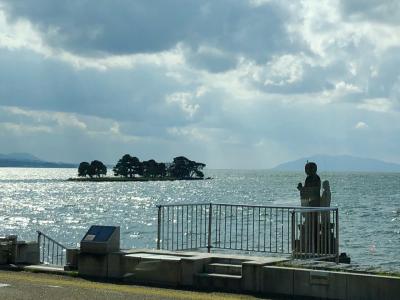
26, 285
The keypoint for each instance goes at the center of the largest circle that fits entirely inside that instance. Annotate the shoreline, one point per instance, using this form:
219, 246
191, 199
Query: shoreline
128, 179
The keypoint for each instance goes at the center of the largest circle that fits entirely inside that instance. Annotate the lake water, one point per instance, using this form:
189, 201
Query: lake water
41, 199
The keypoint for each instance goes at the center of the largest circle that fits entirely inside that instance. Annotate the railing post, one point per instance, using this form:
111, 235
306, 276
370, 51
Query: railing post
209, 228
293, 233
38, 239
159, 227
337, 236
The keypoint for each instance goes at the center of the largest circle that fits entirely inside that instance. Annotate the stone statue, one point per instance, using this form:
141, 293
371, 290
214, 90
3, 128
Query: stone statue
325, 216
316, 231
326, 194
310, 192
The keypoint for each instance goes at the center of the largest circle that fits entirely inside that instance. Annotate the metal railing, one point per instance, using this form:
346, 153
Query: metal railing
255, 228
51, 252
184, 227
315, 232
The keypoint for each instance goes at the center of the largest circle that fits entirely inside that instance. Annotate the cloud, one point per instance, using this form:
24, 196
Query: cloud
113, 133
183, 101
381, 105
120, 94
361, 125
342, 92
284, 70
61, 119
211, 59
21, 129
385, 11
259, 2
196, 134
34, 121
22, 34
83, 28
226, 81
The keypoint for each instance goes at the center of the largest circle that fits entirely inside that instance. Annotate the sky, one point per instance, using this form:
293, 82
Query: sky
234, 84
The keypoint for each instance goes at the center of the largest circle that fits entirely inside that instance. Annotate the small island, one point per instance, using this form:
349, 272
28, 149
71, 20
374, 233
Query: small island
130, 168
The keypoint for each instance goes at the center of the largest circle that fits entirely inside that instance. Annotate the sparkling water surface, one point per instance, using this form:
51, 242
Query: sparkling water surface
42, 199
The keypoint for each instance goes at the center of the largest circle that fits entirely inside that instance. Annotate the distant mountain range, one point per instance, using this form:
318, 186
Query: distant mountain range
26, 160
334, 163
340, 163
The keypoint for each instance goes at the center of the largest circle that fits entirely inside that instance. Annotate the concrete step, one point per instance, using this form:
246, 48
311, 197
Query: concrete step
218, 282
227, 260
220, 268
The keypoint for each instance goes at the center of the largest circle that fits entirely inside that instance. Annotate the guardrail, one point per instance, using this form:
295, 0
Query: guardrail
51, 252
299, 231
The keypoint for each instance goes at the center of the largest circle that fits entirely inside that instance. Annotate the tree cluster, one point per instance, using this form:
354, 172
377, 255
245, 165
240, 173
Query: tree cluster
95, 168
130, 166
180, 168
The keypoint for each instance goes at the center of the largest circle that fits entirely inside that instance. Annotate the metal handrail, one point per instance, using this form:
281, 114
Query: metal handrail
258, 228
313, 209
50, 239
248, 205
51, 252
181, 204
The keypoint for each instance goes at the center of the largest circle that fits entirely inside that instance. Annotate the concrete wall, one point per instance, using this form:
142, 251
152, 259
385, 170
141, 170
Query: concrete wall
258, 276
93, 265
328, 284
251, 276
18, 252
191, 266
368, 287
28, 253
154, 269
4, 256
72, 257
8, 249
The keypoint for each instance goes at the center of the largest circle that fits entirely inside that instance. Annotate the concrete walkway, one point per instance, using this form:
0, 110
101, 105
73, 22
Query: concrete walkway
26, 285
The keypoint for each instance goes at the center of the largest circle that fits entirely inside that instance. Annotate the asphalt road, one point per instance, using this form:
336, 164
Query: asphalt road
26, 285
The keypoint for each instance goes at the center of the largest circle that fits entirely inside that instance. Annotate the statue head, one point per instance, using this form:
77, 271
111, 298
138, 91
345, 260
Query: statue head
325, 185
310, 168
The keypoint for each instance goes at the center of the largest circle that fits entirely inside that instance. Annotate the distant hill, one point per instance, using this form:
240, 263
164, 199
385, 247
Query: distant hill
19, 156
26, 160
340, 163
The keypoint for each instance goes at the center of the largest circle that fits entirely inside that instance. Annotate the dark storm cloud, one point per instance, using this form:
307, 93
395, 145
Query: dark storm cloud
124, 26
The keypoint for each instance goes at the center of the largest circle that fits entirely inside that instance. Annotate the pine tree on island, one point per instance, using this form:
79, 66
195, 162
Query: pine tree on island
83, 169
128, 166
95, 168
98, 168
183, 168
153, 169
